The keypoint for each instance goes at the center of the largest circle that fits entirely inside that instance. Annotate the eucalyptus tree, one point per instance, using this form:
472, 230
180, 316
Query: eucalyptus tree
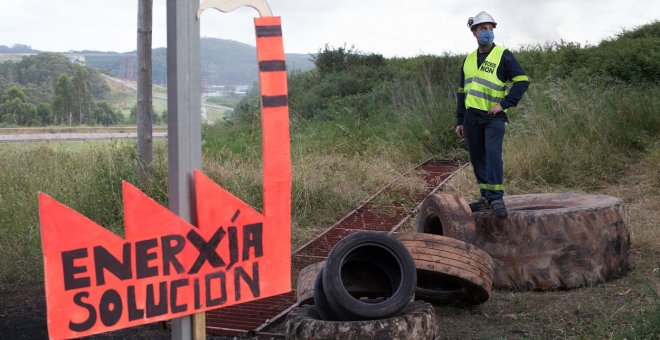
63, 103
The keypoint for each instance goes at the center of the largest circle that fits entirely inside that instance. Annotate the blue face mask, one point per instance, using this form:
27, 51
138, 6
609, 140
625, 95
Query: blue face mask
486, 37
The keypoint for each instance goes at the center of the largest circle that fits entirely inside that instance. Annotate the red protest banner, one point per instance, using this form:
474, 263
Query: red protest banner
164, 268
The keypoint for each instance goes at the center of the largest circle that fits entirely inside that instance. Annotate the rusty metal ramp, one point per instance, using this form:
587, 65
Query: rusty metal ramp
384, 211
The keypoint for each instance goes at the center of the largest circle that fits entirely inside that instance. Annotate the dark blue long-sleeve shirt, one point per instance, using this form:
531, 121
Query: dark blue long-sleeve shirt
506, 70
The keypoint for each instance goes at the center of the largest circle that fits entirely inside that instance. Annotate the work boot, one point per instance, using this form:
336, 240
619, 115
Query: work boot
479, 205
498, 208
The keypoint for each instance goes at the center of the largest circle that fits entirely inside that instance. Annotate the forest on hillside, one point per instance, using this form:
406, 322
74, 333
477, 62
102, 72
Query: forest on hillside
47, 89
223, 62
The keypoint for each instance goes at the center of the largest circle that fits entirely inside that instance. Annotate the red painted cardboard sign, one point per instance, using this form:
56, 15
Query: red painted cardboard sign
166, 268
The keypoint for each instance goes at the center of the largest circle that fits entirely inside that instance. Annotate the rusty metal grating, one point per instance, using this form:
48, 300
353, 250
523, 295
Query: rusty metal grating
376, 213
244, 319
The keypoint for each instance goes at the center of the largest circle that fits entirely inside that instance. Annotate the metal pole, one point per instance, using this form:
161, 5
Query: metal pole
184, 119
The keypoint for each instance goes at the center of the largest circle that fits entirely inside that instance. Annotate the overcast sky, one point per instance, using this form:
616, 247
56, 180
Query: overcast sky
402, 28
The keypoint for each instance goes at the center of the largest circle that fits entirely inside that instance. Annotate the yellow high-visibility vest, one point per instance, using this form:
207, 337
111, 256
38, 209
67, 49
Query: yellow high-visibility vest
483, 89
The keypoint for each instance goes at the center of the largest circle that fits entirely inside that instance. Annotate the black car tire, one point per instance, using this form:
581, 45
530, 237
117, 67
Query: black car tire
369, 275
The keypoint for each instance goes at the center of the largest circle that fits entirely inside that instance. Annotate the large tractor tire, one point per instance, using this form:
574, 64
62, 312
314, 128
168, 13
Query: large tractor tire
449, 270
368, 275
556, 241
417, 322
447, 215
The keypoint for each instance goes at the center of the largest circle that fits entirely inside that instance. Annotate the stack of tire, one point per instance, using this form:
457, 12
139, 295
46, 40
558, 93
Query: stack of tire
450, 267
364, 288
362, 291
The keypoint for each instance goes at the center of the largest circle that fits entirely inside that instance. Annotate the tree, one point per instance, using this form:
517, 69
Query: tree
63, 103
44, 114
156, 119
132, 115
164, 116
16, 109
43, 69
82, 105
103, 113
14, 91
144, 105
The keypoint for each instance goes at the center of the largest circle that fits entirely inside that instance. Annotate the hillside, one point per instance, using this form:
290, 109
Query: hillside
224, 62
38, 75
17, 48
33, 75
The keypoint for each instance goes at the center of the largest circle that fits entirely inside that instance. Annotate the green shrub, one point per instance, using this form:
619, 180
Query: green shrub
345, 80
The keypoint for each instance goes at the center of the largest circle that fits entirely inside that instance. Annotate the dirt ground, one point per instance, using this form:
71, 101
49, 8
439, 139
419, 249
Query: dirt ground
23, 316
616, 309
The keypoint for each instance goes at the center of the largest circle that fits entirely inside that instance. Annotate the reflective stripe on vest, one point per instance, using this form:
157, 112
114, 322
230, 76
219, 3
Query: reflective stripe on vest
482, 87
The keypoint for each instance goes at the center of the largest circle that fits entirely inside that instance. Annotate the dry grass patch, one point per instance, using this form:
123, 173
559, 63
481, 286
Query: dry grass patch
325, 187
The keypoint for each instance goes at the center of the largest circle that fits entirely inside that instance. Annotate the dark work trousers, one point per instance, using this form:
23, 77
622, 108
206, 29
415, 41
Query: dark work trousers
484, 135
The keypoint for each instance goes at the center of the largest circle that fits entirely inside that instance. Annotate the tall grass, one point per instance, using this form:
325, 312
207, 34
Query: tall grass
426, 107
24, 174
86, 178
580, 133
336, 164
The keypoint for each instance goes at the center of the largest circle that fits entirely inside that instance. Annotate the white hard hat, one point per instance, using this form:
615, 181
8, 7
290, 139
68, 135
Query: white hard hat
481, 18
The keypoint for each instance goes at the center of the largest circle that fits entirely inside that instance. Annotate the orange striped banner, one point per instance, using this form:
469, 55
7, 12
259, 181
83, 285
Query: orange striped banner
275, 126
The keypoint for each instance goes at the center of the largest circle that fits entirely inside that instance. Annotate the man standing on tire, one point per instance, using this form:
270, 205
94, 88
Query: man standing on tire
481, 103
